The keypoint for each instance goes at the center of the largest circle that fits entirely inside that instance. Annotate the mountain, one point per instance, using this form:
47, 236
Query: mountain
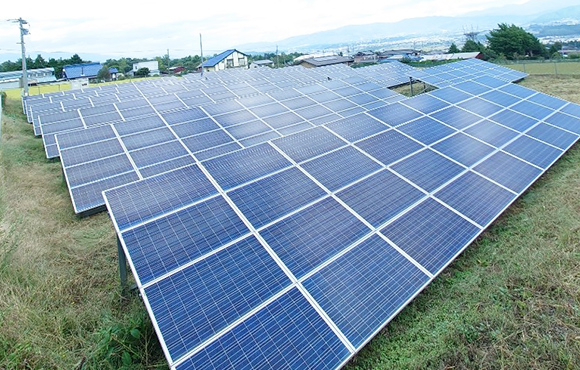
445, 29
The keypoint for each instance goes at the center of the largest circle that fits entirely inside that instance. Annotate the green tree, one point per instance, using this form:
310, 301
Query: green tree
453, 49
104, 74
39, 62
142, 72
515, 41
472, 46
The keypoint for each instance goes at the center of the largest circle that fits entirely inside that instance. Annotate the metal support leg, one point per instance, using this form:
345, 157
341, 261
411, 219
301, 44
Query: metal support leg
122, 265
411, 81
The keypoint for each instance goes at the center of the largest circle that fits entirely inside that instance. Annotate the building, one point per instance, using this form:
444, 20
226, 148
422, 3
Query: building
452, 56
366, 57
228, 59
400, 54
261, 63
83, 70
326, 61
152, 65
11, 80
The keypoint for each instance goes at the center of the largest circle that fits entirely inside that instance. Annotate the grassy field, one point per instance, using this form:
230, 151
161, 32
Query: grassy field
548, 68
511, 301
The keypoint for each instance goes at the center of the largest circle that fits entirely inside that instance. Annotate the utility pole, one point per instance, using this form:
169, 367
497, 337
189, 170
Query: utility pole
201, 51
23, 32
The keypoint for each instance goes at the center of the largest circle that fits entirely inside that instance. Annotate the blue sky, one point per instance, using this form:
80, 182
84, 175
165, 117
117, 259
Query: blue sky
115, 29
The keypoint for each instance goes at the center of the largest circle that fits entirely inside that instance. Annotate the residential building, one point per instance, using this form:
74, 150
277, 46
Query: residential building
326, 61
12, 79
228, 59
261, 63
152, 65
83, 70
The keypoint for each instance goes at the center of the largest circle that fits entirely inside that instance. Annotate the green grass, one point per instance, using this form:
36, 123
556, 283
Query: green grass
547, 68
511, 301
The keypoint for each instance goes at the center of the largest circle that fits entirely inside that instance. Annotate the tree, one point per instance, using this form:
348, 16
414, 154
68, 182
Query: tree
453, 49
104, 74
142, 72
471, 46
513, 40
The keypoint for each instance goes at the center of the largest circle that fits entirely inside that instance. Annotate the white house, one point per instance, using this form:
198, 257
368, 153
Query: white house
228, 59
152, 65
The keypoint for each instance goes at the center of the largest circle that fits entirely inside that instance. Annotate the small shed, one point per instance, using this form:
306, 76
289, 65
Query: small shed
326, 61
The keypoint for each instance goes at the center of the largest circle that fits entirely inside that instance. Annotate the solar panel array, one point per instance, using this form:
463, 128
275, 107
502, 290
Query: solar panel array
278, 221
102, 157
70, 110
465, 70
296, 251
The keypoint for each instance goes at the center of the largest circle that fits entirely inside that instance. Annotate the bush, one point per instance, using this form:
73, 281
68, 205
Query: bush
3, 98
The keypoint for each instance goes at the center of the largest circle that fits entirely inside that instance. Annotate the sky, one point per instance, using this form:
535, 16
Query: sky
113, 29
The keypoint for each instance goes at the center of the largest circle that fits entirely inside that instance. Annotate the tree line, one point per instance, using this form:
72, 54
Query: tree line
510, 42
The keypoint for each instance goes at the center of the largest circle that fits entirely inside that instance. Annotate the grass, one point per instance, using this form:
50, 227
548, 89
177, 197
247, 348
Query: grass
512, 300
547, 68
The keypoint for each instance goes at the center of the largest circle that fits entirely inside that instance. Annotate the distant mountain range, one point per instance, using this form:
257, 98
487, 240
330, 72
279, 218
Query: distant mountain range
536, 16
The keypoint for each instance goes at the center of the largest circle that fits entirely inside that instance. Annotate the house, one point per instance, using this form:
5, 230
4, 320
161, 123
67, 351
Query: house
400, 54
152, 65
366, 57
326, 61
12, 79
177, 70
113, 72
83, 70
228, 59
452, 56
261, 63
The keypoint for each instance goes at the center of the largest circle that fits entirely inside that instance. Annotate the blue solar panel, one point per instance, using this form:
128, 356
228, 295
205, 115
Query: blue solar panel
426, 130
431, 234
308, 144
280, 194
380, 197
217, 151
500, 98
514, 120
364, 288
357, 127
247, 277
96, 170
239, 167
450, 94
166, 166
90, 152
195, 127
158, 153
472, 87
310, 237
533, 151
480, 106
164, 193
90, 196
553, 135
572, 109
389, 146
509, 171
425, 103
456, 117
428, 169
147, 138
340, 168
565, 121
547, 100
531, 109
463, 149
491, 133
395, 114
475, 197
517, 90
283, 120
269, 338
158, 248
